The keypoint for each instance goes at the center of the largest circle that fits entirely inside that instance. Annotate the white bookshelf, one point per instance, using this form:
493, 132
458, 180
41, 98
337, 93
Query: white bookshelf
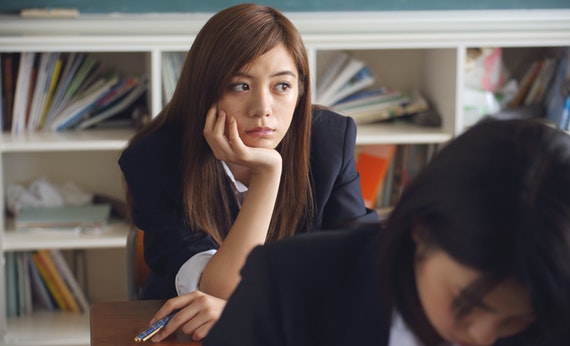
408, 50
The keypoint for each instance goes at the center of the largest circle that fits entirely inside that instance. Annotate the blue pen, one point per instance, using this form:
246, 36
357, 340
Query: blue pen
150, 331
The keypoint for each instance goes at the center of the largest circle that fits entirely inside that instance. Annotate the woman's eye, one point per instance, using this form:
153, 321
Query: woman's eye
239, 87
283, 86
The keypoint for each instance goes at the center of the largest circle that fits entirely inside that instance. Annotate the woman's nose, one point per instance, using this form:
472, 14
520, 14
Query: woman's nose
260, 104
483, 332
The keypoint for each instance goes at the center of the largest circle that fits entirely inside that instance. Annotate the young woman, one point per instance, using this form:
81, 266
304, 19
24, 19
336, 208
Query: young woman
238, 157
476, 252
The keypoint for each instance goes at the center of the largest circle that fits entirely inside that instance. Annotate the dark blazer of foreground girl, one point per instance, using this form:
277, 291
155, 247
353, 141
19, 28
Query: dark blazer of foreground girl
476, 252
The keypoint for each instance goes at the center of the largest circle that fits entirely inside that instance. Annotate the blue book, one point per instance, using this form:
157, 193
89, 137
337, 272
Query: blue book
565, 118
558, 93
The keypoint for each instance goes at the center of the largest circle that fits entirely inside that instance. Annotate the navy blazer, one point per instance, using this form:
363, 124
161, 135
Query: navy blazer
313, 289
152, 171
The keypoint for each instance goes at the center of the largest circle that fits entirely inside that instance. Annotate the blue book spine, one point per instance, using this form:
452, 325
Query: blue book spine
565, 121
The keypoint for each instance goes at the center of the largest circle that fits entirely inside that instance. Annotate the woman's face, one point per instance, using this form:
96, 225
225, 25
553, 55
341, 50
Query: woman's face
504, 311
262, 98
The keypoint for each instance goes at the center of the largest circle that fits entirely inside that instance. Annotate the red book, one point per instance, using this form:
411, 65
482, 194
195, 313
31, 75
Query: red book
372, 163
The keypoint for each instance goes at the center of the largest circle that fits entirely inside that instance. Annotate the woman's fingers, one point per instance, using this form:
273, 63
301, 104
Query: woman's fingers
197, 314
210, 119
215, 134
238, 147
202, 331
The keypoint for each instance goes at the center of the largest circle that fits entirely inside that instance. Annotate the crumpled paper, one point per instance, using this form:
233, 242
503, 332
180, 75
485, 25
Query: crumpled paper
43, 193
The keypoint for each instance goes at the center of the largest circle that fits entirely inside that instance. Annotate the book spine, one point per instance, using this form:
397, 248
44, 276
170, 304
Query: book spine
39, 288
71, 66
372, 164
49, 281
59, 283
349, 71
69, 279
114, 109
51, 91
8, 89
21, 93
84, 105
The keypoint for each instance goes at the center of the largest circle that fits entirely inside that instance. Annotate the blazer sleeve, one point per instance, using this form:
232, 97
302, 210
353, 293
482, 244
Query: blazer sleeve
152, 174
252, 316
312, 289
337, 190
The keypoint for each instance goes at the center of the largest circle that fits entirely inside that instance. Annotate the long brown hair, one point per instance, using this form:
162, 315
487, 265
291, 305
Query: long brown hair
228, 41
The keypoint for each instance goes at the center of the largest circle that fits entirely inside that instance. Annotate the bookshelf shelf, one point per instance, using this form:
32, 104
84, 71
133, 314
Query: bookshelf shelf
407, 50
115, 236
399, 134
91, 140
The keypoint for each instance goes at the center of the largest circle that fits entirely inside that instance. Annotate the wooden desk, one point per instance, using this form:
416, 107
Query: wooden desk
117, 323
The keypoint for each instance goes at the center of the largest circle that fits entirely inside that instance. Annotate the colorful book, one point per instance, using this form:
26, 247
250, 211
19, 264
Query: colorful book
11, 284
372, 163
8, 86
87, 65
361, 80
43, 298
50, 92
370, 97
72, 63
171, 66
85, 103
69, 279
31, 90
22, 92
2, 95
541, 82
332, 70
49, 281
45, 73
348, 71
55, 275
115, 108
24, 284
407, 103
559, 92
566, 113
525, 84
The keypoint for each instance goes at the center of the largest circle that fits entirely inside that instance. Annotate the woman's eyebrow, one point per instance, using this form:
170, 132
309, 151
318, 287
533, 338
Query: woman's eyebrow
285, 72
276, 74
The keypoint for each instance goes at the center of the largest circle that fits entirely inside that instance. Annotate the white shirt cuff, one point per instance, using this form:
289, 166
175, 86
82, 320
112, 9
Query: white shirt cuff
188, 276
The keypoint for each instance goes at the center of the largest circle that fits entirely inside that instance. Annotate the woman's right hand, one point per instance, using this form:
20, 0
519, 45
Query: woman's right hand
221, 133
198, 312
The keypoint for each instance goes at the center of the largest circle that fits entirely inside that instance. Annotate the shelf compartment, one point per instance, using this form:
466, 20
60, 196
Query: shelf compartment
431, 71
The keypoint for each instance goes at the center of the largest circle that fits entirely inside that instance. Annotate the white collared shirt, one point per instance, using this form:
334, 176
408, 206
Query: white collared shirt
400, 334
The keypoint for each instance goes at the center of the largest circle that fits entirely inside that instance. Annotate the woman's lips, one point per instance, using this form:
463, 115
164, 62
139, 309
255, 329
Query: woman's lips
261, 132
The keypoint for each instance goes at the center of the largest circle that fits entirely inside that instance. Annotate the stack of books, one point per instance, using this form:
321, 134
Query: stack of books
347, 86
54, 91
